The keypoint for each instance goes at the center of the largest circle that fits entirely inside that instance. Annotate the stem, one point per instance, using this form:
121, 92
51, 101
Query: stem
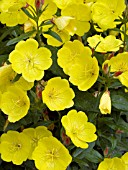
38, 35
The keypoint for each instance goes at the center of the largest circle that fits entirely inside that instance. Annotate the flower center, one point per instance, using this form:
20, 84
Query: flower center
52, 154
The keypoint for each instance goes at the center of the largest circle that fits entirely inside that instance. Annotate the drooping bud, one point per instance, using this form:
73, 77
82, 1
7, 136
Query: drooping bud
105, 103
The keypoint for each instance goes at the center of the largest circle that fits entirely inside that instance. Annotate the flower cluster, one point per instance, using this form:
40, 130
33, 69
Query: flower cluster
64, 84
37, 144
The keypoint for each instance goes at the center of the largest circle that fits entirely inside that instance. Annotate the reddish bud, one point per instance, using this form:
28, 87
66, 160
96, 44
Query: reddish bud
39, 4
105, 68
26, 6
66, 140
106, 151
119, 131
39, 91
111, 55
118, 73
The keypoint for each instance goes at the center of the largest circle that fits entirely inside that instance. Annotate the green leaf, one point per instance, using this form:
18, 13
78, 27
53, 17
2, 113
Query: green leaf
46, 23
55, 68
85, 101
21, 37
120, 102
7, 32
17, 77
94, 156
2, 122
3, 58
122, 125
27, 13
54, 34
80, 153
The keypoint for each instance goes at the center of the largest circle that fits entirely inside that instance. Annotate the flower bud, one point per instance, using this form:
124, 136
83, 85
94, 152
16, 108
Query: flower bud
106, 151
39, 4
116, 74
105, 103
106, 68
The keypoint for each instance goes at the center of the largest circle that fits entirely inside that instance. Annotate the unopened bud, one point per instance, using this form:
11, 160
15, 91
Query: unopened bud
111, 55
119, 131
118, 73
106, 68
106, 151
39, 4
26, 6
105, 103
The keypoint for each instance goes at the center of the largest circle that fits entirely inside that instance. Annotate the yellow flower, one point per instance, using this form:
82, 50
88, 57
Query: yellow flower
78, 129
15, 103
7, 74
29, 60
57, 94
68, 54
11, 13
0, 99
81, 14
62, 3
50, 154
64, 35
84, 72
124, 158
103, 45
109, 43
23, 84
104, 12
94, 40
35, 136
111, 163
119, 66
15, 147
105, 103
